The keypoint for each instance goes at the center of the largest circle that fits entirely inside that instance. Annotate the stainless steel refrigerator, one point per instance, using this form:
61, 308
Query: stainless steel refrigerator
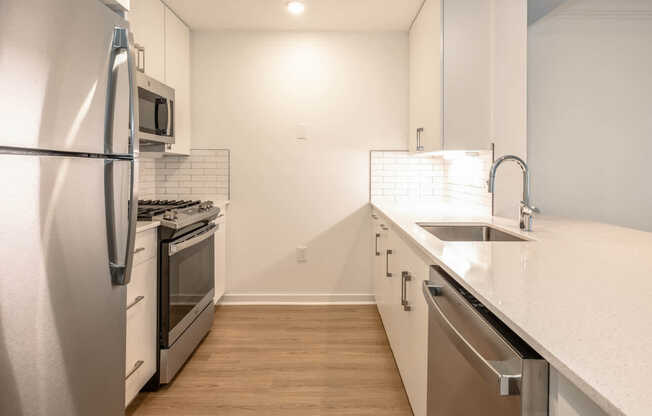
68, 176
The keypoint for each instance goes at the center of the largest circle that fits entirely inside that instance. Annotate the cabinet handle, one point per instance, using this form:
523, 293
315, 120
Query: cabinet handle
377, 237
419, 146
140, 65
405, 277
374, 216
139, 249
135, 302
387, 273
135, 368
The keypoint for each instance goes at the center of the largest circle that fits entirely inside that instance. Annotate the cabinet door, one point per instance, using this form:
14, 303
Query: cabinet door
468, 69
381, 280
426, 80
177, 76
414, 327
376, 256
141, 346
147, 20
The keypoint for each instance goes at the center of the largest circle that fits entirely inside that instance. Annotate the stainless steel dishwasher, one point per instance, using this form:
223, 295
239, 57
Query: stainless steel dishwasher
476, 364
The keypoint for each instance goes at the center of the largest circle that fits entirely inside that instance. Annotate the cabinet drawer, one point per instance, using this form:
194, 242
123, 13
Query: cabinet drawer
145, 247
140, 362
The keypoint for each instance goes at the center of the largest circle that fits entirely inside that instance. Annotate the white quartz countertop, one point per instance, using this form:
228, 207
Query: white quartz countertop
146, 225
580, 294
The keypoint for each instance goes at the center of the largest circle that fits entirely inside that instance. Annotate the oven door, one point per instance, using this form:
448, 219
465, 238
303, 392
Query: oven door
187, 280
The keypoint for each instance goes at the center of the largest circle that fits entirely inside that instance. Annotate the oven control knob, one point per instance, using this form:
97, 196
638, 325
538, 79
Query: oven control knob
205, 206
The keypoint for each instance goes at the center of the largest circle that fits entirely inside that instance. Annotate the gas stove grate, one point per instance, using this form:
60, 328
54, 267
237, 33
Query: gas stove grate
150, 208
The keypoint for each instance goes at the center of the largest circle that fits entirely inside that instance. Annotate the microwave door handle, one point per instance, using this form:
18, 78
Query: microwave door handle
492, 371
156, 105
175, 248
170, 109
121, 270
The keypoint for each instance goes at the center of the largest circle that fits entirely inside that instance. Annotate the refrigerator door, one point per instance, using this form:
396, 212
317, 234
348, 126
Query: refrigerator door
62, 321
55, 63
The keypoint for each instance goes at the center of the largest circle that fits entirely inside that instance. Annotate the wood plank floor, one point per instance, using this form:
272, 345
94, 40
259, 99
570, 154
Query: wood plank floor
286, 360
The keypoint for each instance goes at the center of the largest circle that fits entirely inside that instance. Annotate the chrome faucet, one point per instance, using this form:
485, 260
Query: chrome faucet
526, 210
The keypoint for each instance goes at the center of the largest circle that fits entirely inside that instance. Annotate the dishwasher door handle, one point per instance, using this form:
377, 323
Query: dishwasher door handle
508, 379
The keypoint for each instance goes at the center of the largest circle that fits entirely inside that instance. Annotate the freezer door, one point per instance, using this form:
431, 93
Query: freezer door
62, 321
55, 61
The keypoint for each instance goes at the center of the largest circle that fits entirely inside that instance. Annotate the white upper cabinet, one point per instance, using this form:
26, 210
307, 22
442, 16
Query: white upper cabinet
425, 133
177, 76
147, 19
468, 63
467, 87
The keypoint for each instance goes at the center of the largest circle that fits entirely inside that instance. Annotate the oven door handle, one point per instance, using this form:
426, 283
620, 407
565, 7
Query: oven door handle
174, 248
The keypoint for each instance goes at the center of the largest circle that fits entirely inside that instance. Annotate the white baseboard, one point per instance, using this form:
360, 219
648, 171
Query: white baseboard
297, 299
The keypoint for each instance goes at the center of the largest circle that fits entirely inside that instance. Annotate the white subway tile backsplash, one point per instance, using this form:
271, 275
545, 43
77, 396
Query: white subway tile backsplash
398, 176
204, 175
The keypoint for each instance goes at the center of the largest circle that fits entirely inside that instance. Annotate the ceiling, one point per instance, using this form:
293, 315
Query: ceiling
320, 15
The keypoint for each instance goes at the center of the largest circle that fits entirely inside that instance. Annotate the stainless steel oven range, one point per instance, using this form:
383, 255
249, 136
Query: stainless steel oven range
186, 279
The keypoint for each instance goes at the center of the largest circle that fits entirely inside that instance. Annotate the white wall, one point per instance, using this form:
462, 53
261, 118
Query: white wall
250, 92
590, 111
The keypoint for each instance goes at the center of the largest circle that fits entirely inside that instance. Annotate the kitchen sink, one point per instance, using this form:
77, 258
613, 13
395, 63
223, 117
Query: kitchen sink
469, 233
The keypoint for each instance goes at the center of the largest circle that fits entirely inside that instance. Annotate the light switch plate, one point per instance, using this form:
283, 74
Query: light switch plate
301, 254
302, 132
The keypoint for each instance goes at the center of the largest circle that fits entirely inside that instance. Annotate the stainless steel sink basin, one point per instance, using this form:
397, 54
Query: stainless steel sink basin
469, 233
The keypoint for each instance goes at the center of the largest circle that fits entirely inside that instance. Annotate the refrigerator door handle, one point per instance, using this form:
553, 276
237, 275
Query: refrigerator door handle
120, 264
121, 270
122, 42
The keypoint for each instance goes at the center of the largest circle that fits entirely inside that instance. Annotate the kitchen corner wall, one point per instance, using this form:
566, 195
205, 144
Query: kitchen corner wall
204, 175
456, 179
257, 93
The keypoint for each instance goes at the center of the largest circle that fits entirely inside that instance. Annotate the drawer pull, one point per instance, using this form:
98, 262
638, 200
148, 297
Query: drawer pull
135, 368
135, 302
405, 277
139, 249
377, 237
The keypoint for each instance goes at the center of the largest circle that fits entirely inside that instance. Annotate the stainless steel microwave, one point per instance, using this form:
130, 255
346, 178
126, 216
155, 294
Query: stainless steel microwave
156, 111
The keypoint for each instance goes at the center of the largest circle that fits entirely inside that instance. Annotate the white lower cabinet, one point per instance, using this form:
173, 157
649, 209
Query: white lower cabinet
399, 271
140, 362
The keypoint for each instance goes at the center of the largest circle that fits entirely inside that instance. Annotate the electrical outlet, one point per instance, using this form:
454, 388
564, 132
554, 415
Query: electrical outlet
301, 254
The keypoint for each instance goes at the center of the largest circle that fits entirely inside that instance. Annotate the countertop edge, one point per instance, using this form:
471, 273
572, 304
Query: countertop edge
561, 367
146, 225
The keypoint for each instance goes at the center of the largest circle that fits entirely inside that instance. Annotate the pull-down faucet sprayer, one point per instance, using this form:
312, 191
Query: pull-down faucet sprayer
526, 210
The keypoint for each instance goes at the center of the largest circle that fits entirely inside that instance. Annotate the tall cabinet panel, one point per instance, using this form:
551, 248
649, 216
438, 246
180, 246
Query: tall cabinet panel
426, 80
468, 68
177, 76
147, 19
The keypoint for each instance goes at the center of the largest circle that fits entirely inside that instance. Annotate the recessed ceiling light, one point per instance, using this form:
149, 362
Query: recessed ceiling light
296, 7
